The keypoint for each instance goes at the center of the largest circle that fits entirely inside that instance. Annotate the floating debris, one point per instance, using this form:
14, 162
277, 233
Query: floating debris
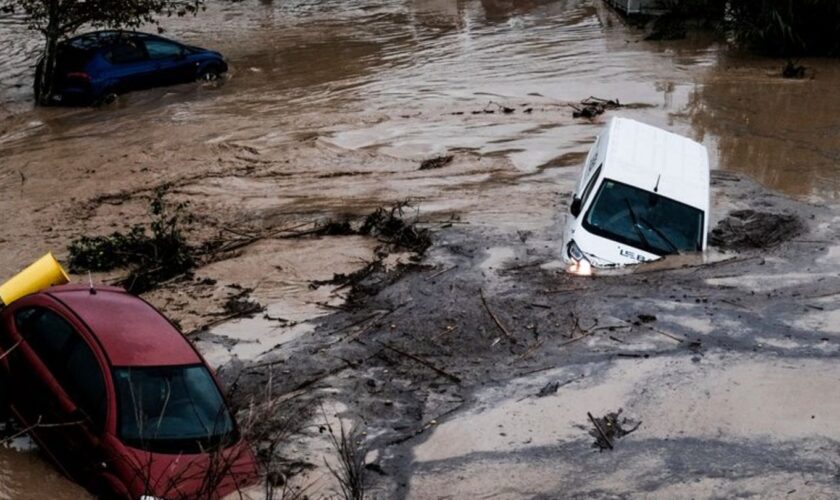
793, 70
594, 106
436, 162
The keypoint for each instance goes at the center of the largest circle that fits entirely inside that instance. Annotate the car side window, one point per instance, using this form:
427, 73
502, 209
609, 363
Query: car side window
126, 52
158, 49
590, 185
68, 357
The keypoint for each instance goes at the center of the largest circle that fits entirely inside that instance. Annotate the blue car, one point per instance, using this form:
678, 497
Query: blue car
96, 67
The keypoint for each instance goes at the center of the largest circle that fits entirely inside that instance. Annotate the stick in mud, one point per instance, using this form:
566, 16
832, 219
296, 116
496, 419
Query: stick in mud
441, 272
423, 362
495, 318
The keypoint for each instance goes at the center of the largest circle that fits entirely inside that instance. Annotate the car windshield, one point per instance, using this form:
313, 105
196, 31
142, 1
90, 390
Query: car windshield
644, 220
171, 409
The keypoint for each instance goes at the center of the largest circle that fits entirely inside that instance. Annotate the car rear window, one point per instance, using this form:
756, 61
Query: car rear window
70, 58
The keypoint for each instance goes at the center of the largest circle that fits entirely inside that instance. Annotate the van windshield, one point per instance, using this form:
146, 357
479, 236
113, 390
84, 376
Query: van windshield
644, 220
171, 409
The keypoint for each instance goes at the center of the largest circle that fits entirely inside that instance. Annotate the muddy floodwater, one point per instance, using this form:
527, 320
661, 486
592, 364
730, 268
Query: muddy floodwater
327, 112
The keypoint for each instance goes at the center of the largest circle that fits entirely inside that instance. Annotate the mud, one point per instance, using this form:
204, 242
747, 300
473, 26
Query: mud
709, 367
749, 228
328, 113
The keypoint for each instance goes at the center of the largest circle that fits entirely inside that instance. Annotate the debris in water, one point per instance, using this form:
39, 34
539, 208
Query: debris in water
241, 304
436, 162
391, 226
594, 106
745, 229
609, 428
793, 69
334, 228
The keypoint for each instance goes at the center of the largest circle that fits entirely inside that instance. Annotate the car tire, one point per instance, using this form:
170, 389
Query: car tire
108, 97
209, 74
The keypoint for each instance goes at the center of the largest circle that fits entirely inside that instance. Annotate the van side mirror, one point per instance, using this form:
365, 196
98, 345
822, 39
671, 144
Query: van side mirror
575, 208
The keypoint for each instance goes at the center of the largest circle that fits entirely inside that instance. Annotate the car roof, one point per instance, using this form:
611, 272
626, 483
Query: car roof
642, 155
131, 331
99, 39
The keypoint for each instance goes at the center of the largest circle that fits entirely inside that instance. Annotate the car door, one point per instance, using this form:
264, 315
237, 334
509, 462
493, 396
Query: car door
129, 65
66, 404
171, 64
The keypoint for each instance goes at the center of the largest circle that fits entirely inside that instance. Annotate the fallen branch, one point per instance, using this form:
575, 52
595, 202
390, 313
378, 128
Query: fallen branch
575, 339
425, 426
531, 350
305, 384
495, 319
441, 272
600, 431
37, 425
423, 362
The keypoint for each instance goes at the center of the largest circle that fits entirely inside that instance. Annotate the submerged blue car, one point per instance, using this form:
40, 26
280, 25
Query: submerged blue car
96, 67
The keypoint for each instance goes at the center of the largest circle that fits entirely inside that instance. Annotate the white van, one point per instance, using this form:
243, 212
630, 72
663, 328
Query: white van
643, 194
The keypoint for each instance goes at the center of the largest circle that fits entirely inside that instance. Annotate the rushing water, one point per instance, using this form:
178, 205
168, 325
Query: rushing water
297, 63
292, 58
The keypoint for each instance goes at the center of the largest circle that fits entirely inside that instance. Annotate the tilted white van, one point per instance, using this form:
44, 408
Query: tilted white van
643, 194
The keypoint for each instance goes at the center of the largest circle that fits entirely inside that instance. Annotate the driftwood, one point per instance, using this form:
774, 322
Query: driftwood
436, 369
495, 318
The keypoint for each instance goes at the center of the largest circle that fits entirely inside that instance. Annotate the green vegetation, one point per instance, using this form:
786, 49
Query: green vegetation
152, 254
786, 28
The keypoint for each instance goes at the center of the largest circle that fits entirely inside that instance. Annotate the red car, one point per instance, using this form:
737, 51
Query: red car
118, 398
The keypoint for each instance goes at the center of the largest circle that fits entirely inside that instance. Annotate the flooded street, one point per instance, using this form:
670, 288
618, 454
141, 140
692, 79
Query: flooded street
327, 112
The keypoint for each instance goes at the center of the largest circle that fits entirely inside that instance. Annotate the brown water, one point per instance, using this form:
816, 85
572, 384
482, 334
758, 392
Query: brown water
330, 105
293, 60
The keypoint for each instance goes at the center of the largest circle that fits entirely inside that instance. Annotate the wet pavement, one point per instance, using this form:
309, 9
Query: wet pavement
328, 111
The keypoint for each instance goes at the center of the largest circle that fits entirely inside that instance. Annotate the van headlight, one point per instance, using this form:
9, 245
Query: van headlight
580, 264
574, 252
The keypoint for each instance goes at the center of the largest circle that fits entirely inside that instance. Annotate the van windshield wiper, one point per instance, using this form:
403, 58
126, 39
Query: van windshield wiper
636, 224
660, 234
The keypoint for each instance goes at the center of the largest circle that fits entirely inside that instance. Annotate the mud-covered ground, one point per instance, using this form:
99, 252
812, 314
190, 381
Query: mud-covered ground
728, 365
328, 113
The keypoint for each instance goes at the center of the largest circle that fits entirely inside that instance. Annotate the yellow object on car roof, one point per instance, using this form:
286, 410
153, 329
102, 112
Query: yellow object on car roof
43, 273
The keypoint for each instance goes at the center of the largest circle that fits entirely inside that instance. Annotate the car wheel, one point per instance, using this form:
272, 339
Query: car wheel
210, 74
108, 97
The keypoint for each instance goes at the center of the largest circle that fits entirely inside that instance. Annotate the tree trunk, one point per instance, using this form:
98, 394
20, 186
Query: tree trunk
45, 71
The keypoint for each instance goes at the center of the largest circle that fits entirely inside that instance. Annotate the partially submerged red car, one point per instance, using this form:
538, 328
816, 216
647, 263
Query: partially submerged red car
118, 398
